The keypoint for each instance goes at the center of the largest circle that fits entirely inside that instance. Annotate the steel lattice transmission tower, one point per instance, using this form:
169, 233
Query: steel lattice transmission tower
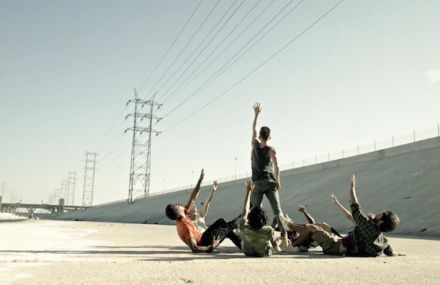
62, 194
71, 183
89, 179
140, 162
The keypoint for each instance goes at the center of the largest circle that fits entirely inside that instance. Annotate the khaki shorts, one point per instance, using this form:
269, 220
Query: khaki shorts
330, 243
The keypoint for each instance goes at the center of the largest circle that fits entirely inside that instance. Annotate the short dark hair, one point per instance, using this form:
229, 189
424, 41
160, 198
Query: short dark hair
257, 218
390, 222
264, 133
171, 212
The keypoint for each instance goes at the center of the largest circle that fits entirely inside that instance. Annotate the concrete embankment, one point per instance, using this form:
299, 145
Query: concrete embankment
405, 179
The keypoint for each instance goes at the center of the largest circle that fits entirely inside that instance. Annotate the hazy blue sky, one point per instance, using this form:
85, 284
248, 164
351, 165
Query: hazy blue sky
369, 70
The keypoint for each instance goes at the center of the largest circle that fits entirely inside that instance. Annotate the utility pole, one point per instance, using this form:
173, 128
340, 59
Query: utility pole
71, 182
63, 190
89, 179
140, 162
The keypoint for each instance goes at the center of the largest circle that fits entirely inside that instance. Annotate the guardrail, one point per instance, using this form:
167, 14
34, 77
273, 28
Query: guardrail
375, 145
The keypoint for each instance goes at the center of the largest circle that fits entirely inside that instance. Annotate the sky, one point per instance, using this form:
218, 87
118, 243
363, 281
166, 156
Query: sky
365, 72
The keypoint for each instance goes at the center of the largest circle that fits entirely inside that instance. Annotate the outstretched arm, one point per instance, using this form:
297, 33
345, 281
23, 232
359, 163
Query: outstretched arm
359, 217
208, 200
273, 157
303, 210
200, 249
196, 190
344, 211
353, 197
249, 188
257, 110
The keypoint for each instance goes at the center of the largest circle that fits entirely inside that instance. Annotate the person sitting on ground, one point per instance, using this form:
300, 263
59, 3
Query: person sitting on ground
191, 235
197, 217
366, 239
256, 236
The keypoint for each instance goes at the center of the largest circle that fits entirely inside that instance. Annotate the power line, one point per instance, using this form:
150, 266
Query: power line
200, 48
187, 80
171, 45
120, 116
235, 57
332, 8
184, 48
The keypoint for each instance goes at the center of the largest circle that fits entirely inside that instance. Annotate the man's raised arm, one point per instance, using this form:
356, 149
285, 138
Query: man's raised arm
246, 206
257, 110
306, 214
209, 200
353, 197
344, 211
196, 190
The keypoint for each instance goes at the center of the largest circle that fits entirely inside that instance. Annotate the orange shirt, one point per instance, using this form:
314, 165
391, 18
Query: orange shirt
187, 230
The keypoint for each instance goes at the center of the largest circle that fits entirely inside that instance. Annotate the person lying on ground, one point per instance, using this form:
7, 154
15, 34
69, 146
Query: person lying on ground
191, 235
257, 237
309, 243
197, 217
366, 239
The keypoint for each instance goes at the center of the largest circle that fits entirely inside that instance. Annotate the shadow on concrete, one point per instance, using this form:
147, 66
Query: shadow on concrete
144, 246
103, 252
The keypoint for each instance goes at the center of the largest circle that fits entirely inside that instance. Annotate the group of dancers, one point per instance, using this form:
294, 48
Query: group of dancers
253, 235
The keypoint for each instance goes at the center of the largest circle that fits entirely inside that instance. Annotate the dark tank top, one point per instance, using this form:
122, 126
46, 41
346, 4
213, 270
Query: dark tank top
262, 168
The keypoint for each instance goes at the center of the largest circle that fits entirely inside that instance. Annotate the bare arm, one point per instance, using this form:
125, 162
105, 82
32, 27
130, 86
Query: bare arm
196, 190
344, 211
303, 210
276, 169
353, 197
200, 249
249, 188
209, 200
257, 110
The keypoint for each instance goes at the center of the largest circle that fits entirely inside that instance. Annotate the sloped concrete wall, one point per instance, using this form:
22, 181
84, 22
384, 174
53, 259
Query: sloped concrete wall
405, 179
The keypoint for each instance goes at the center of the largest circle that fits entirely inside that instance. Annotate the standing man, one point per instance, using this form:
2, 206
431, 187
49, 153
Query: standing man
265, 172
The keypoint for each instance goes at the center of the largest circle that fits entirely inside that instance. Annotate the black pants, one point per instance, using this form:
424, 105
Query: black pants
220, 230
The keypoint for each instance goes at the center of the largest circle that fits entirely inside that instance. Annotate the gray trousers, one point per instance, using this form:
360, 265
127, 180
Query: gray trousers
263, 187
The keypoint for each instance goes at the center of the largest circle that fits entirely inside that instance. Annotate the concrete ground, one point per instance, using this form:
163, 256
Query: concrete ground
59, 252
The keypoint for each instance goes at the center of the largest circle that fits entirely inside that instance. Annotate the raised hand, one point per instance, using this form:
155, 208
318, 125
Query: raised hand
301, 208
257, 108
334, 199
202, 174
214, 185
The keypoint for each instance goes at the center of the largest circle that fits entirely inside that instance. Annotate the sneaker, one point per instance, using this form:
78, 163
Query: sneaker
285, 221
276, 246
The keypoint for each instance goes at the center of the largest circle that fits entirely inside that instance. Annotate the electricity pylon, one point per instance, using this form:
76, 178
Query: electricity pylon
140, 162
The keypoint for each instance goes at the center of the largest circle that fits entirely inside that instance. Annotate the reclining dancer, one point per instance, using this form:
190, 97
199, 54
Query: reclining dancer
191, 235
366, 239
